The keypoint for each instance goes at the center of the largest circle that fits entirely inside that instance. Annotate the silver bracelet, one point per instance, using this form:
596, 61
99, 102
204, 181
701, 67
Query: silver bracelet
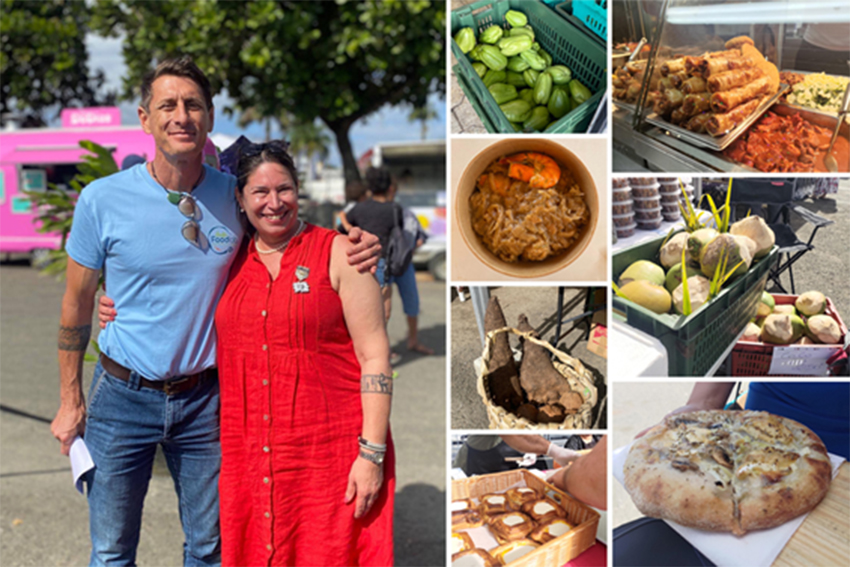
376, 447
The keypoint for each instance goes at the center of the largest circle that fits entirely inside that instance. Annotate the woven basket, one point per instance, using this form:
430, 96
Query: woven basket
561, 549
579, 378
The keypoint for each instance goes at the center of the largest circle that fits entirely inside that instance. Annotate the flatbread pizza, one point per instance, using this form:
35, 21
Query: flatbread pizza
732, 471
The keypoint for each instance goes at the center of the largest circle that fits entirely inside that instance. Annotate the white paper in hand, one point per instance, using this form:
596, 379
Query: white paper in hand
81, 461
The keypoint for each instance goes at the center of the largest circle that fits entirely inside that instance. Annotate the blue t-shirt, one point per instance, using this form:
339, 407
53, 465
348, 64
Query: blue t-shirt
165, 289
823, 407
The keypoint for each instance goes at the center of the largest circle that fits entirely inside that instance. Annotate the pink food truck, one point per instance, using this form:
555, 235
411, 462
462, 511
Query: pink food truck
30, 159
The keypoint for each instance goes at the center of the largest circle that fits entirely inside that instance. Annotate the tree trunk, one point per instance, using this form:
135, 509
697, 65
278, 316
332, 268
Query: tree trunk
346, 152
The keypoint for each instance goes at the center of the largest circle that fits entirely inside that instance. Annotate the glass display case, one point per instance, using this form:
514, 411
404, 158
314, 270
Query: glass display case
730, 85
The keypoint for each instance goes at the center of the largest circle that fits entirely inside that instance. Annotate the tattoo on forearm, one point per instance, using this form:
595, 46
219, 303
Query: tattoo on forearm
376, 383
74, 338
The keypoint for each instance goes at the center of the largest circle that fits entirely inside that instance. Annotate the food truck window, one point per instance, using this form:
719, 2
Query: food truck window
59, 174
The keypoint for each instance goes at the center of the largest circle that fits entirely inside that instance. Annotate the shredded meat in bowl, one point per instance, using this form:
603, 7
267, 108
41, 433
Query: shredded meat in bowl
519, 222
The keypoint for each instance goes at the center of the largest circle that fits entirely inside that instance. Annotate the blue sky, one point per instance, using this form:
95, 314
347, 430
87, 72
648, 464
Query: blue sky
389, 124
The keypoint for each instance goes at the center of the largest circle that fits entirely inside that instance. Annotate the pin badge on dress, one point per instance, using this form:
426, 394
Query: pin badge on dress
301, 286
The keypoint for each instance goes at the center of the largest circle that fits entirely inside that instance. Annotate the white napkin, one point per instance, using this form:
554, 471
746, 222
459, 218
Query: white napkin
760, 547
81, 461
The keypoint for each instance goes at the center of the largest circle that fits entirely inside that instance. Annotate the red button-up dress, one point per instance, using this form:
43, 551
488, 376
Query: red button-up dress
290, 416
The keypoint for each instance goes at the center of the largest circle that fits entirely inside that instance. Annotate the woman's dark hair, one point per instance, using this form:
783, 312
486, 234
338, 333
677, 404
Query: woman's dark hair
253, 156
178, 67
379, 180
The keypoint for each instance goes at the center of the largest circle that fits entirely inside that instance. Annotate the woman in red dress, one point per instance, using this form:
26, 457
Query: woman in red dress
307, 472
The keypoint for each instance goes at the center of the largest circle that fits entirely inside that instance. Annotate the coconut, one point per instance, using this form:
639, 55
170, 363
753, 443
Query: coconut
752, 333
647, 294
713, 252
642, 270
671, 252
823, 329
782, 329
766, 305
811, 303
756, 229
698, 288
698, 239
748, 242
804, 340
674, 276
785, 309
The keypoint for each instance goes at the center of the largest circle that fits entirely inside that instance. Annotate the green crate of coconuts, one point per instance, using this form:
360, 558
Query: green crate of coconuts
699, 319
530, 70
808, 323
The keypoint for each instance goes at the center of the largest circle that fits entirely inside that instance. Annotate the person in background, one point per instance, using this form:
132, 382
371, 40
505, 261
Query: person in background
825, 49
407, 287
355, 192
485, 454
378, 215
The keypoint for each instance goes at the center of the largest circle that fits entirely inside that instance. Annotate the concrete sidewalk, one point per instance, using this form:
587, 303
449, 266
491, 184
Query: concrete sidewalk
44, 521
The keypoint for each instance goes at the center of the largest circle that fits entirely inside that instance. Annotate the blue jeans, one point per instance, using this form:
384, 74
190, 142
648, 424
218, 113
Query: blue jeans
408, 291
125, 424
382, 273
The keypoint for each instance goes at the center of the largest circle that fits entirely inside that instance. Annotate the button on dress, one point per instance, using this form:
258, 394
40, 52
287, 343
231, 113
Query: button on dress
290, 416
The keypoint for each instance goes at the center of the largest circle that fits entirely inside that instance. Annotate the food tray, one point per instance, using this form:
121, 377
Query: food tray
754, 358
694, 343
710, 142
592, 17
561, 549
585, 57
808, 108
627, 106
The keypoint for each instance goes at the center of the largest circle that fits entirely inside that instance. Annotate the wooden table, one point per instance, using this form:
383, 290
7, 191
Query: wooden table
824, 538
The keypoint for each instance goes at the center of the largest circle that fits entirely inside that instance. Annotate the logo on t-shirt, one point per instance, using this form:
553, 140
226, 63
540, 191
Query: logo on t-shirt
222, 240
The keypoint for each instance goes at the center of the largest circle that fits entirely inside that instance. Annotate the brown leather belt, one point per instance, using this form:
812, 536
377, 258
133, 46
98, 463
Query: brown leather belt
170, 387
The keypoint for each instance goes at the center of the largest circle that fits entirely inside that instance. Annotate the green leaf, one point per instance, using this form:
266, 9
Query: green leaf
686, 292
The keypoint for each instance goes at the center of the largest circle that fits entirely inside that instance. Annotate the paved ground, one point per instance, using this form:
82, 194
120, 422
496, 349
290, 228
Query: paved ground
464, 118
540, 306
44, 521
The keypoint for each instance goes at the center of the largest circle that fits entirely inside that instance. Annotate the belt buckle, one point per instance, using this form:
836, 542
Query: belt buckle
169, 387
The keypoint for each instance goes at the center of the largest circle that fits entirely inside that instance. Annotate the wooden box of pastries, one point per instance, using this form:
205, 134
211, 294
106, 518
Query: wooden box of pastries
523, 540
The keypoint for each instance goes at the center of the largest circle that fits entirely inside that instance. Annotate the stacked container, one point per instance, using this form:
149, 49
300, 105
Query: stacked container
647, 202
670, 196
622, 203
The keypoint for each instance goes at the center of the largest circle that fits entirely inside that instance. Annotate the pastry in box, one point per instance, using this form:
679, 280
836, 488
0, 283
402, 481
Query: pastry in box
511, 526
493, 504
519, 496
459, 542
474, 558
469, 519
510, 552
542, 510
548, 531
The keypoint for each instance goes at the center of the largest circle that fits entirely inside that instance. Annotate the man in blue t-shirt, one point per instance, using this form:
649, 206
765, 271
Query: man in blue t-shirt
164, 234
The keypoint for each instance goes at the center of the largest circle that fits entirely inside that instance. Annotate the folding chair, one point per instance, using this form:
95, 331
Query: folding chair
778, 197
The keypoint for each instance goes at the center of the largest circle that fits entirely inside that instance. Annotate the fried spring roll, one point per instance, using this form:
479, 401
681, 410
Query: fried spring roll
693, 64
725, 101
678, 115
695, 103
730, 79
674, 98
678, 78
633, 90
636, 66
727, 53
698, 122
721, 64
722, 123
673, 66
665, 83
693, 85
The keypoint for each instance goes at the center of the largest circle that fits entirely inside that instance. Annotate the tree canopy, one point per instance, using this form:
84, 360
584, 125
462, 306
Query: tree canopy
44, 60
335, 61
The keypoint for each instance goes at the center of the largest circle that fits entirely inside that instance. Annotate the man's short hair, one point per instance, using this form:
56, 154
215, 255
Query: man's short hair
179, 67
